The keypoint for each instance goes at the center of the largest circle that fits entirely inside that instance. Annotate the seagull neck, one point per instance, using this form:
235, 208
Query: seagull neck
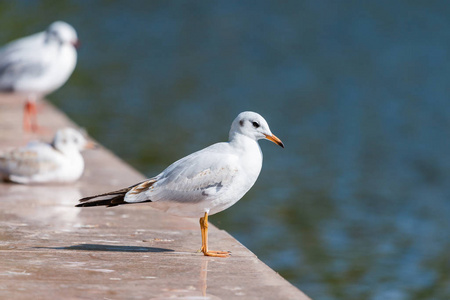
67, 150
240, 141
249, 154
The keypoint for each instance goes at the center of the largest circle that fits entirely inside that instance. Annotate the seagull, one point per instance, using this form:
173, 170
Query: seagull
38, 162
37, 65
205, 182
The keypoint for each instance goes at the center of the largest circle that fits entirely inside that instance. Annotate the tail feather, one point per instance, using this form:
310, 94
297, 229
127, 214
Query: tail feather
106, 199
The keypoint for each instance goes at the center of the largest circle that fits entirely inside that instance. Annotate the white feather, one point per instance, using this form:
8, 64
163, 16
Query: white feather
40, 63
211, 179
40, 162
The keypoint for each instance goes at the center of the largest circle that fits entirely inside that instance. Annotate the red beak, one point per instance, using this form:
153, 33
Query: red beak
76, 44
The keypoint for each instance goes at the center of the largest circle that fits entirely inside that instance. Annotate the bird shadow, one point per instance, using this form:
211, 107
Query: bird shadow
109, 248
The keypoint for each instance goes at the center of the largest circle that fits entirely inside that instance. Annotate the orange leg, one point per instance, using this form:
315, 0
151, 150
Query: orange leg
30, 116
204, 249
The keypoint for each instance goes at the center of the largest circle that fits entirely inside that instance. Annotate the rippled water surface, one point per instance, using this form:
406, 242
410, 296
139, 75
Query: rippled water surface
357, 205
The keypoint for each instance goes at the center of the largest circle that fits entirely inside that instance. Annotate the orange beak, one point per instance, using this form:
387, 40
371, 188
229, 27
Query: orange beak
90, 145
274, 139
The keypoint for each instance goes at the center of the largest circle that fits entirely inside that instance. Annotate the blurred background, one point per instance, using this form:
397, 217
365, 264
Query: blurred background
357, 205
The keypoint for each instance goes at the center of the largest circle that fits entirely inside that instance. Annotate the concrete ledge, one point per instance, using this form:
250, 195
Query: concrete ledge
51, 250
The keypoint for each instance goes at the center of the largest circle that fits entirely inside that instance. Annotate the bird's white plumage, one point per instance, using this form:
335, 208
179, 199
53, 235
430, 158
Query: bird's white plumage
40, 162
39, 64
205, 182
211, 179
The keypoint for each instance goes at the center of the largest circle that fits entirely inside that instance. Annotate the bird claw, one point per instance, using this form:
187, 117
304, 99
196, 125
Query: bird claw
217, 253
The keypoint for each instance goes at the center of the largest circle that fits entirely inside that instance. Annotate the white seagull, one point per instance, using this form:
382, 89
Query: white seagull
37, 65
40, 162
205, 182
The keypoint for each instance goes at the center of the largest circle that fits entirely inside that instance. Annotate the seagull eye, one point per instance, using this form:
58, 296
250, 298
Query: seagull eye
255, 124
51, 32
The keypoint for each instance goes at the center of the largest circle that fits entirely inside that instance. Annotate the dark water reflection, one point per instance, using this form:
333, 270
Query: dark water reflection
356, 206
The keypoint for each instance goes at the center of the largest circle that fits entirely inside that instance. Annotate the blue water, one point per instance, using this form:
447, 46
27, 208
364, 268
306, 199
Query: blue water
357, 205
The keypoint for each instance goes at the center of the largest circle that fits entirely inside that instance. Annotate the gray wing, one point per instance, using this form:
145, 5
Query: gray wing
20, 60
34, 159
204, 174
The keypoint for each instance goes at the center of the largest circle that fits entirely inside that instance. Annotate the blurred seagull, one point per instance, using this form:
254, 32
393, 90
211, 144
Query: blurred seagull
37, 65
39, 162
205, 182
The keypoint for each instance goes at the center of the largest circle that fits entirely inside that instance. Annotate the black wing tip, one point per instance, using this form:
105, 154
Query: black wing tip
106, 203
114, 198
85, 199
88, 204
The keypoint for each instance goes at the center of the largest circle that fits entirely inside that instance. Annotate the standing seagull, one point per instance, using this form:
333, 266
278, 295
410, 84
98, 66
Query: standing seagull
39, 162
37, 65
205, 182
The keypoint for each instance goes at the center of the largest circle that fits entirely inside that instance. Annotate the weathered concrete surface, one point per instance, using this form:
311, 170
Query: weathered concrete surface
51, 250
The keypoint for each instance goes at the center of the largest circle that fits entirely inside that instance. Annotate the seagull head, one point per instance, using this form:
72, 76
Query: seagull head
69, 139
63, 33
254, 126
